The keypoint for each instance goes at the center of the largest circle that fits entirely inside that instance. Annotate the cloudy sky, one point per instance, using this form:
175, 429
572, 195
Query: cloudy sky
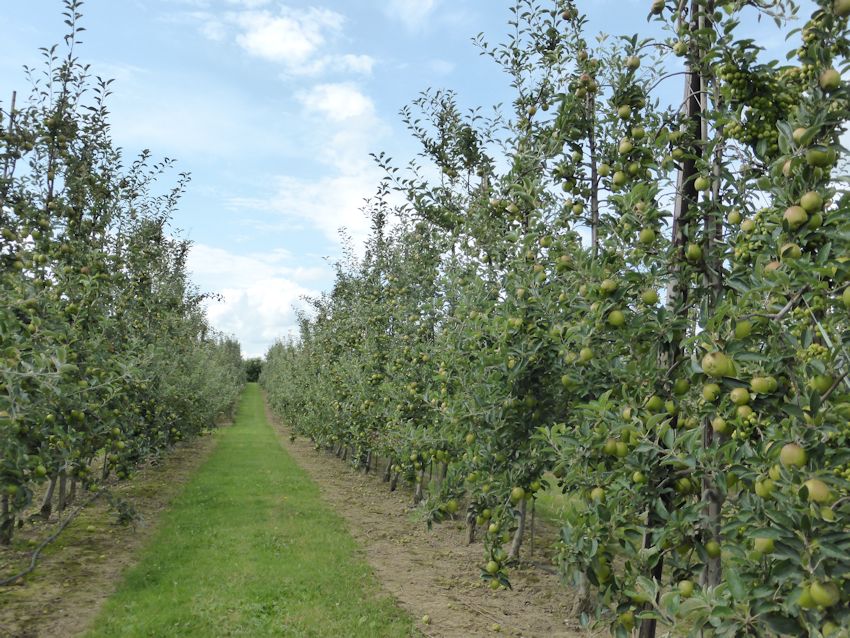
274, 107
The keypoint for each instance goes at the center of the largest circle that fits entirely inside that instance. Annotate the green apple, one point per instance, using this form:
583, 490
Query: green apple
720, 425
517, 494
710, 392
740, 396
790, 251
821, 383
717, 365
811, 202
609, 286
841, 8
619, 179
646, 235
650, 297
743, 411
655, 403
764, 488
616, 318
805, 600
829, 80
819, 491
763, 385
712, 548
795, 216
693, 252
825, 593
763, 545
686, 588
743, 329
792, 455
702, 183
820, 156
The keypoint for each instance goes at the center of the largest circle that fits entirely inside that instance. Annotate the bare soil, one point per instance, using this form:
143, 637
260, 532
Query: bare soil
83, 567
435, 573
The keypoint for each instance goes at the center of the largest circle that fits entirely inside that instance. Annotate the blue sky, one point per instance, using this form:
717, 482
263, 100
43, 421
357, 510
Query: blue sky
274, 106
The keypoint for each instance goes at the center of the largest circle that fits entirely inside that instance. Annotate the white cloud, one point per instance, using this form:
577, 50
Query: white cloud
338, 102
356, 63
413, 13
301, 41
290, 38
260, 294
326, 204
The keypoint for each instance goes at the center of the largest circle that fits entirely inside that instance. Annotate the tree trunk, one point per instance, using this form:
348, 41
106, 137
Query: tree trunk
713, 228
388, 471
419, 492
520, 531
47, 502
72, 491
63, 483
677, 292
394, 482
7, 522
470, 526
584, 598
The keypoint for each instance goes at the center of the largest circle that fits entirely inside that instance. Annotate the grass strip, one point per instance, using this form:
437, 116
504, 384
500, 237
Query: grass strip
249, 549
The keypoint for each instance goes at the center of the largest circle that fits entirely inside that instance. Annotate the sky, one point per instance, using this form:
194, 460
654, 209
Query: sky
274, 106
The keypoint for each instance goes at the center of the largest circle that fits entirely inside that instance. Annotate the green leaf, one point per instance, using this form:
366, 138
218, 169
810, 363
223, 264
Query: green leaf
736, 585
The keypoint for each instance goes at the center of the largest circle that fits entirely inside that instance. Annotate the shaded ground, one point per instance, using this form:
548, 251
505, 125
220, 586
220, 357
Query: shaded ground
435, 572
82, 568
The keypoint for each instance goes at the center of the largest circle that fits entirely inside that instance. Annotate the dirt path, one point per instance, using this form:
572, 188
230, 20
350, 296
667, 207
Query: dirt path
435, 572
83, 567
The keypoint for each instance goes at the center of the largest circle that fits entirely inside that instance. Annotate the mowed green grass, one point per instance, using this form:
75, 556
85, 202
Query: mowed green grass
249, 549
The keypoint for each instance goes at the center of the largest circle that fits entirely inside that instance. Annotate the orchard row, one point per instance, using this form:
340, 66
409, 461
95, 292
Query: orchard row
639, 302
106, 358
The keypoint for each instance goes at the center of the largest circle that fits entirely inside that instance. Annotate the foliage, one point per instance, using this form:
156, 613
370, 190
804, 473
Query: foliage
648, 301
253, 368
106, 357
